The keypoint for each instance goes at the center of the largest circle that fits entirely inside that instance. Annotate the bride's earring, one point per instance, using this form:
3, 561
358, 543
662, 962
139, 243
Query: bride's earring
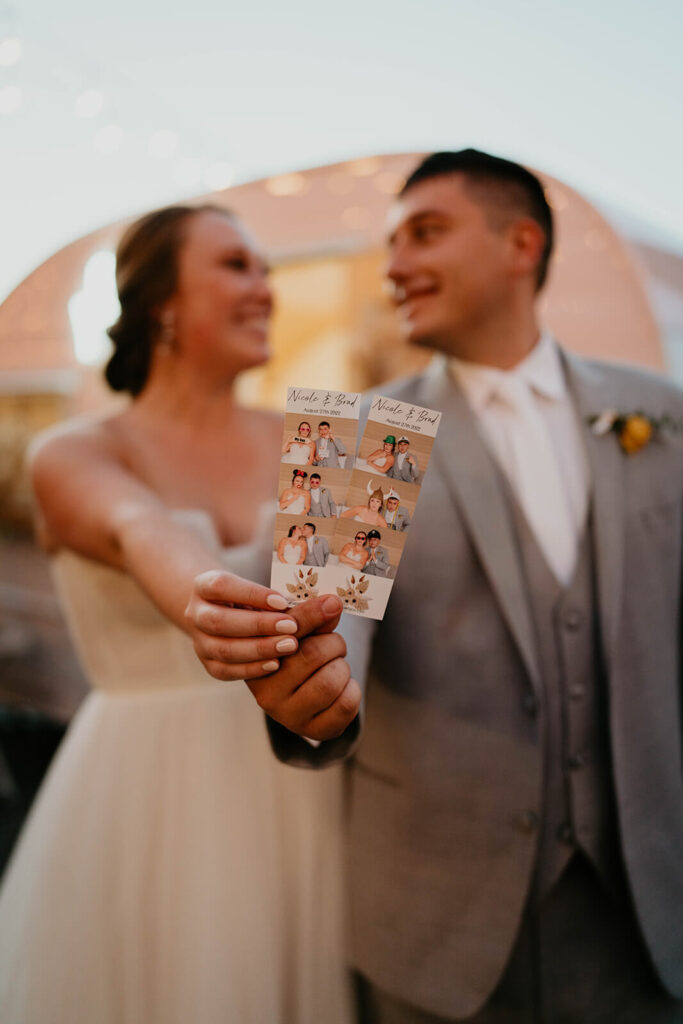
167, 334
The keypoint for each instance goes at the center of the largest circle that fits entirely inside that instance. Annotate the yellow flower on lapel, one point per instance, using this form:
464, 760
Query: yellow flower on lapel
633, 429
634, 432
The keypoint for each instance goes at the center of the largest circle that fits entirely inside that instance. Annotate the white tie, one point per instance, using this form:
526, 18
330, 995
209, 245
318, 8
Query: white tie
532, 468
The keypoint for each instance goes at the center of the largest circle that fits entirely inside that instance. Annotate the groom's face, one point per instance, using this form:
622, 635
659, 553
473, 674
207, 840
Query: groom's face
449, 267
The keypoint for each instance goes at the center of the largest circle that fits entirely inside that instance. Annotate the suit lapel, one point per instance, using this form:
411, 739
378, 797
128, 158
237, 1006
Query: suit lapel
591, 393
463, 460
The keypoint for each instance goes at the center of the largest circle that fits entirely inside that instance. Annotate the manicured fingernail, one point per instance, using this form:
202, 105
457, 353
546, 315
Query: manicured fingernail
286, 626
270, 666
331, 605
277, 601
286, 646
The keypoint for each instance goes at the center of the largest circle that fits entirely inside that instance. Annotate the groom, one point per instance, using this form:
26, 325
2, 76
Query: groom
515, 794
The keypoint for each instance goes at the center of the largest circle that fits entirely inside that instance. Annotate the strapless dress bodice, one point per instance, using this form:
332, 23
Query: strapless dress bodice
125, 644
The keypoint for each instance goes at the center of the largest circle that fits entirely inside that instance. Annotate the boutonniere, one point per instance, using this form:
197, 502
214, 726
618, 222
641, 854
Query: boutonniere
634, 430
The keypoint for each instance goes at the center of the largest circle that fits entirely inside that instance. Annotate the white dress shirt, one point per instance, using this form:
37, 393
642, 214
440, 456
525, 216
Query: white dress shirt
542, 373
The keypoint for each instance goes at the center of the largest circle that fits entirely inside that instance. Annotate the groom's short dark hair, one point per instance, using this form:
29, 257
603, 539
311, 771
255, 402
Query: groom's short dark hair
499, 184
323, 423
312, 526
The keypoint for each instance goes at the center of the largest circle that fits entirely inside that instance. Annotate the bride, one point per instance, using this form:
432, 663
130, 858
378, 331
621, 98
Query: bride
292, 548
382, 459
295, 499
171, 869
299, 449
355, 555
370, 513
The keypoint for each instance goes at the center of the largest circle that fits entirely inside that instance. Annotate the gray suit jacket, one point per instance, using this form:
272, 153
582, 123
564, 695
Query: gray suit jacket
401, 521
335, 448
446, 780
381, 566
327, 506
319, 551
409, 472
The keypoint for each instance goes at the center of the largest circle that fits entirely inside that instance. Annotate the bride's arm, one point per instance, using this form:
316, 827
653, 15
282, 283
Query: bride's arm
90, 502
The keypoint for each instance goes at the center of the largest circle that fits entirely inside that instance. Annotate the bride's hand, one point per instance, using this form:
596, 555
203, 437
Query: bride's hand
234, 629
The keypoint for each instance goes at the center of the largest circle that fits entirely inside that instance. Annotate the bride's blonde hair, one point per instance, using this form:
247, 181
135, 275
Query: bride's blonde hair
379, 494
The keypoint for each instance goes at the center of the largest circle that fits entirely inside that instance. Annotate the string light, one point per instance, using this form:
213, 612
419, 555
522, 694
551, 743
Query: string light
355, 217
364, 166
388, 182
287, 185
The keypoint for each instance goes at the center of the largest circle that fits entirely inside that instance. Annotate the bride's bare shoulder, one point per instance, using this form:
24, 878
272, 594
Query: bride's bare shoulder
83, 437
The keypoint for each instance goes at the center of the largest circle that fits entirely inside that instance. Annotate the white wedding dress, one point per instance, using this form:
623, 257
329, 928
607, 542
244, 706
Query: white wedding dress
355, 556
171, 871
292, 553
298, 454
297, 507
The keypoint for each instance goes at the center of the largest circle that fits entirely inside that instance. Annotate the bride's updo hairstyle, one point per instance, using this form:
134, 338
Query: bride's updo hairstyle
146, 276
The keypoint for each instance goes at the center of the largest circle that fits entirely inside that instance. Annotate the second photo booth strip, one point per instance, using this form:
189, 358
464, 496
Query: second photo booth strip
345, 508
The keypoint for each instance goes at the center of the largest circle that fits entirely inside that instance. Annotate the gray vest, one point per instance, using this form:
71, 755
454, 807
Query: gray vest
578, 796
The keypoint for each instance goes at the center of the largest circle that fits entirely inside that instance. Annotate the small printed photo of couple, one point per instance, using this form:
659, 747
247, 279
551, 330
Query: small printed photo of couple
400, 455
370, 550
302, 542
376, 501
316, 441
311, 491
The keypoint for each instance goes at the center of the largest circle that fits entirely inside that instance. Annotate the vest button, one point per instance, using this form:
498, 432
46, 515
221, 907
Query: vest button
576, 761
577, 692
572, 619
565, 834
528, 822
530, 704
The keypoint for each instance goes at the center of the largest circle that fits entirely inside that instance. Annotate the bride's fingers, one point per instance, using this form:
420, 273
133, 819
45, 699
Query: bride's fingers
245, 652
217, 620
225, 587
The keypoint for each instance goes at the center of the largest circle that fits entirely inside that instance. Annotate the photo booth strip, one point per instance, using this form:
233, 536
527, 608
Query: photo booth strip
318, 451
393, 456
315, 549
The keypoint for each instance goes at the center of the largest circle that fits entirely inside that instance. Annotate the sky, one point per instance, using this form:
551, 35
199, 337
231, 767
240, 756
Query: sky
590, 92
